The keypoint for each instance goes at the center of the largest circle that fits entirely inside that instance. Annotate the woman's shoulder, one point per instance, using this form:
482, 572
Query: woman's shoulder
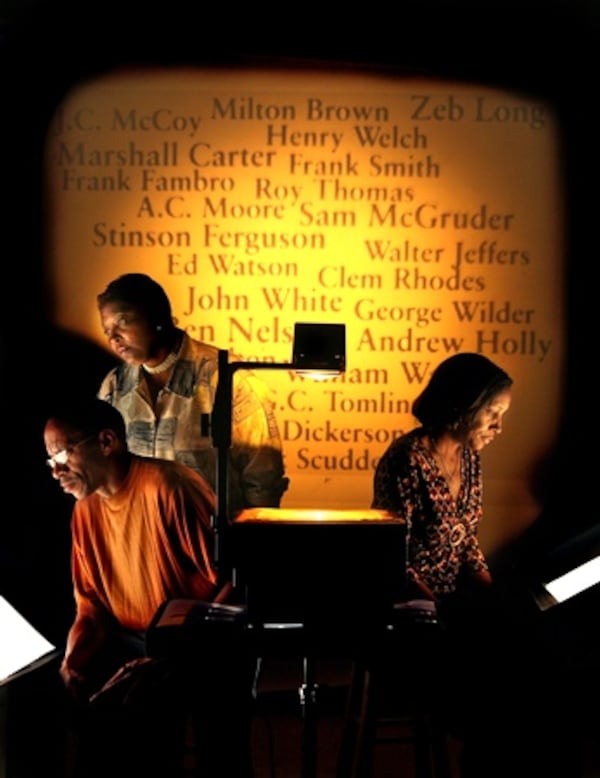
404, 444
122, 377
197, 349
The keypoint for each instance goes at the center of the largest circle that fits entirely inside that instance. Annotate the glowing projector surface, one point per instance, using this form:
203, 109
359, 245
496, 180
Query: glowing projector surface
315, 515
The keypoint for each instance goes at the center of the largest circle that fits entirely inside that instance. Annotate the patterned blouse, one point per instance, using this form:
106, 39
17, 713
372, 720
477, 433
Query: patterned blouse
442, 531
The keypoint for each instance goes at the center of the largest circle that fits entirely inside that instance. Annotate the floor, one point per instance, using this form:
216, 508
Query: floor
281, 748
288, 742
282, 733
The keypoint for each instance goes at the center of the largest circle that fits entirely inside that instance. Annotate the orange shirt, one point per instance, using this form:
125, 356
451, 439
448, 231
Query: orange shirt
150, 542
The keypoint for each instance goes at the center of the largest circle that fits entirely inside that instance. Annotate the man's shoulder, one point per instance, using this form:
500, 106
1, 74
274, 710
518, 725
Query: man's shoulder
152, 475
165, 478
142, 465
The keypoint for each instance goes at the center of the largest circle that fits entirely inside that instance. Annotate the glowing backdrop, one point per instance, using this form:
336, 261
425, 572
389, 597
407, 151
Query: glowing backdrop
427, 216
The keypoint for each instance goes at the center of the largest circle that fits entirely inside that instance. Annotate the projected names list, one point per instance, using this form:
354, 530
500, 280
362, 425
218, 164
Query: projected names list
390, 211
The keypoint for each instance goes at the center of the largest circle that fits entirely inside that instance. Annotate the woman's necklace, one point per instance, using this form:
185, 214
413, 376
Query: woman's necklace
449, 474
167, 362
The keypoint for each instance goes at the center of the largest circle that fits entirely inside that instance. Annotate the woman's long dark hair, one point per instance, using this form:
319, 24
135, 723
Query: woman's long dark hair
458, 388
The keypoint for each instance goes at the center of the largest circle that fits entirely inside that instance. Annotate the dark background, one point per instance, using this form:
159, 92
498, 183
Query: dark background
548, 50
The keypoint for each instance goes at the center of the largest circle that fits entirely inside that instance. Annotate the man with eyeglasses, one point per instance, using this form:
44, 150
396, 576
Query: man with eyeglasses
62, 457
141, 534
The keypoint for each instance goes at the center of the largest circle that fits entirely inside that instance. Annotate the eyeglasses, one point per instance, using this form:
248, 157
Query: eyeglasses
62, 457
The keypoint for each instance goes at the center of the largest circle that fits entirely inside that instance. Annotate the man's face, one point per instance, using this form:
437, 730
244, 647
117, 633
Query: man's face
72, 460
